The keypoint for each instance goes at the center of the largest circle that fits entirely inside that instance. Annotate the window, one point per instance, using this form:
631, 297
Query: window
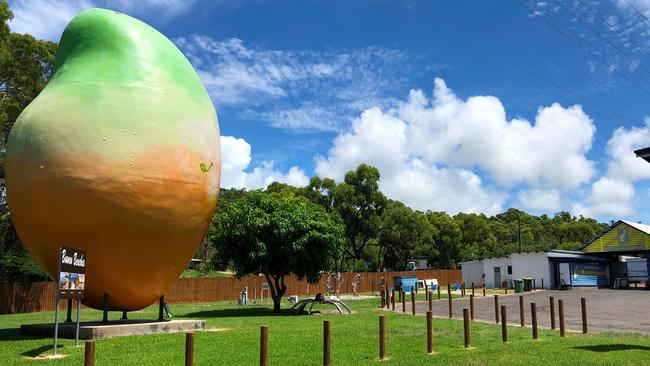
509, 270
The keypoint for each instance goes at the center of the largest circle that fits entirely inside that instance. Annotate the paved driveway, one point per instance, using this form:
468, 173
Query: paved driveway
607, 310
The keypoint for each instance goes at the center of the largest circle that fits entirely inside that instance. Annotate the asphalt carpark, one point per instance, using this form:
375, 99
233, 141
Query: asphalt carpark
607, 310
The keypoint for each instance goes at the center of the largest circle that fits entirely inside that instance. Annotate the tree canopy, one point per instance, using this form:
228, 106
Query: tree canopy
276, 235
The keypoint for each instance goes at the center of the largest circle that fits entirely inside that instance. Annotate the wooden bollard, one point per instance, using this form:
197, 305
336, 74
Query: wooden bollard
560, 309
551, 303
472, 288
483, 290
438, 292
383, 299
264, 345
431, 302
543, 283
505, 289
466, 327
89, 353
387, 299
522, 318
471, 307
504, 324
450, 305
583, 306
327, 334
496, 308
534, 285
429, 331
533, 317
392, 300
403, 296
412, 302
462, 290
189, 349
382, 338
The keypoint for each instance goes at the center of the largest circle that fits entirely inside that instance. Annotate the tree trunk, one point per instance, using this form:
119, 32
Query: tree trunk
278, 288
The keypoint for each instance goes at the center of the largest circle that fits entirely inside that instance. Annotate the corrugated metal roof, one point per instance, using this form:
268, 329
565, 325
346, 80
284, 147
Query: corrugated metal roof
643, 227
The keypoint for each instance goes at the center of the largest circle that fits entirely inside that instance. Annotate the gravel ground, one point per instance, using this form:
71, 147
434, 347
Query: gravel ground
607, 310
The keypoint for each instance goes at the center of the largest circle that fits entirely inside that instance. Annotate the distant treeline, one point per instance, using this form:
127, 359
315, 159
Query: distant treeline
386, 234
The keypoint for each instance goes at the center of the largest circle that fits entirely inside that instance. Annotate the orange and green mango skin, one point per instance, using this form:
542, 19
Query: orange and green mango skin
119, 156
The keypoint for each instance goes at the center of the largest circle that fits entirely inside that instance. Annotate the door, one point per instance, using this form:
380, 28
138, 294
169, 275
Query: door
497, 277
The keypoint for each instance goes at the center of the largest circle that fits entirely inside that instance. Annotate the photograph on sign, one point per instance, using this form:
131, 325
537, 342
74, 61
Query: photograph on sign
71, 281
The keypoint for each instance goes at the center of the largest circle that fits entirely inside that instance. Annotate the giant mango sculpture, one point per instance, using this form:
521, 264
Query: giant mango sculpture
119, 155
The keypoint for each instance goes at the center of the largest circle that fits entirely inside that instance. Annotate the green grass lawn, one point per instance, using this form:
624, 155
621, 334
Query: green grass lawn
297, 340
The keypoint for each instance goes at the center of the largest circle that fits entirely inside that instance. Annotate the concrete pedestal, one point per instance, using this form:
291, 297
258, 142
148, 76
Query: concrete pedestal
98, 330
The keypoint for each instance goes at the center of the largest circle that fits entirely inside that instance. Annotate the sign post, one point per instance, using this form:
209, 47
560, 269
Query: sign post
71, 281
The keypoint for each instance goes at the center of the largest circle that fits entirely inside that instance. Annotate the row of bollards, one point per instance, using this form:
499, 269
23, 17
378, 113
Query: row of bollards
500, 316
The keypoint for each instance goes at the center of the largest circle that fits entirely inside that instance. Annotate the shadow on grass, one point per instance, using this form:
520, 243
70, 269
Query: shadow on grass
13, 334
236, 312
613, 347
38, 351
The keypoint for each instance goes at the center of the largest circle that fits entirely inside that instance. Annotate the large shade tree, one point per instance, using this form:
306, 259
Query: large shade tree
25, 67
276, 235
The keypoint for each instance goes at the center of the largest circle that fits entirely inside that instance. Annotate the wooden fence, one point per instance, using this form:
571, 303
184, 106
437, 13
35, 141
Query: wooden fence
39, 296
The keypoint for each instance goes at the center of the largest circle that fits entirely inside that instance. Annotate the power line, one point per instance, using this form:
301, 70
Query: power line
638, 11
515, 65
414, 25
613, 27
601, 36
614, 69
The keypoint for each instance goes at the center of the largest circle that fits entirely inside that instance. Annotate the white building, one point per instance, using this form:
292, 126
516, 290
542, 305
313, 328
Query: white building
550, 269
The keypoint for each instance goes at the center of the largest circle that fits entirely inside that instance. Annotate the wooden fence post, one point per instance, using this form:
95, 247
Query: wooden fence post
387, 299
431, 302
327, 334
89, 353
438, 292
462, 289
383, 301
392, 300
533, 317
484, 290
551, 303
450, 305
403, 296
496, 308
429, 331
189, 349
264, 345
560, 306
471, 307
505, 289
583, 306
522, 319
466, 327
543, 283
504, 324
382, 338
472, 288
412, 302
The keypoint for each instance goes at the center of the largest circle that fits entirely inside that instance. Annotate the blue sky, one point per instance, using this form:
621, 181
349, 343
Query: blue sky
471, 106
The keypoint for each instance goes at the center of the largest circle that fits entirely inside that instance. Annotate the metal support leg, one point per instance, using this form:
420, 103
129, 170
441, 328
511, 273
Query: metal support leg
68, 318
105, 307
161, 308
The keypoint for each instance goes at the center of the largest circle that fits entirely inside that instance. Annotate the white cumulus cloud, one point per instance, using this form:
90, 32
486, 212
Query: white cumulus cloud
608, 197
426, 150
236, 158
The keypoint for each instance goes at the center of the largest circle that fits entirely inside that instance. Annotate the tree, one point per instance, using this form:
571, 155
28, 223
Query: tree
277, 236
404, 233
448, 238
360, 204
25, 67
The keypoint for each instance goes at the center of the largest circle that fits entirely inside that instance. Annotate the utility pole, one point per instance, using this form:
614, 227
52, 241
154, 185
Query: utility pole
519, 228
